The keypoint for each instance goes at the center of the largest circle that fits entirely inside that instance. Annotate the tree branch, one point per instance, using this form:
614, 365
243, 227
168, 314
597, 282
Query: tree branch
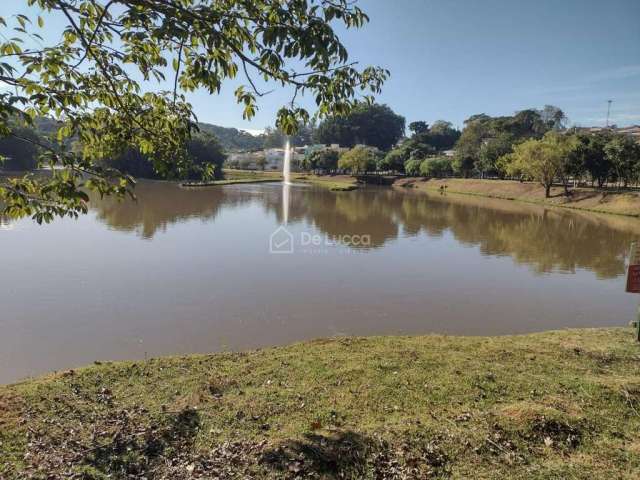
93, 35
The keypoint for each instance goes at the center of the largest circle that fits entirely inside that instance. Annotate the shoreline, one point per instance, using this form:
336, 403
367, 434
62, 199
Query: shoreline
335, 183
584, 199
552, 404
613, 202
238, 181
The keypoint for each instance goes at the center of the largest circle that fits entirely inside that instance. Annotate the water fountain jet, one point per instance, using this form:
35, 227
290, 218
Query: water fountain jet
286, 167
285, 203
286, 173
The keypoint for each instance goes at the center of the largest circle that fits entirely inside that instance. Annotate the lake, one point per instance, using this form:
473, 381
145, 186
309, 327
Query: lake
201, 270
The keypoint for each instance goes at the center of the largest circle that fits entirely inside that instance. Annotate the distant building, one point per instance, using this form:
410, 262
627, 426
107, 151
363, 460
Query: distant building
324, 146
274, 157
633, 130
248, 160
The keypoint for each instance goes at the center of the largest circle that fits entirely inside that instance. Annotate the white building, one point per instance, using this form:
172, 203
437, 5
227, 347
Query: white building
275, 156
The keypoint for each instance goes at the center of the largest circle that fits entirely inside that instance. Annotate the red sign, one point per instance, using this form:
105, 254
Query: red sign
633, 279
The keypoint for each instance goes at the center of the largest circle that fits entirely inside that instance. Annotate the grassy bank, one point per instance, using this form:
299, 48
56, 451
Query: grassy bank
552, 405
240, 176
588, 199
338, 183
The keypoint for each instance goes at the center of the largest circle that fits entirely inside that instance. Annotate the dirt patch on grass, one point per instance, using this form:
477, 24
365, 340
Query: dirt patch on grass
521, 413
634, 447
10, 406
352, 455
556, 432
540, 424
125, 447
122, 444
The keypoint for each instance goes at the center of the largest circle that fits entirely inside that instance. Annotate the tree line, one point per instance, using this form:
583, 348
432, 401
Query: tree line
205, 161
529, 145
21, 151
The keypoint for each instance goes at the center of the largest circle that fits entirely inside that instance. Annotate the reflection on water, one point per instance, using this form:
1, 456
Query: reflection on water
286, 201
189, 270
546, 239
160, 204
5, 224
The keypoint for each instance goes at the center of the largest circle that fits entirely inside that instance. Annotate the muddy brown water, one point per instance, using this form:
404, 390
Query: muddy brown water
184, 271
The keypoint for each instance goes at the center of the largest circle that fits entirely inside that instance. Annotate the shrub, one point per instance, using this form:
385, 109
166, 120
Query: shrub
324, 159
436, 167
412, 167
359, 159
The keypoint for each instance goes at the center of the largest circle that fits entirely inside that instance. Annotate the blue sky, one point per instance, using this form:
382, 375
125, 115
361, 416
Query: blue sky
450, 59
454, 58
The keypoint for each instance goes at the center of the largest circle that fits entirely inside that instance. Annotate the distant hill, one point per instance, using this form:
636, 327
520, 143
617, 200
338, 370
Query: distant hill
46, 126
232, 139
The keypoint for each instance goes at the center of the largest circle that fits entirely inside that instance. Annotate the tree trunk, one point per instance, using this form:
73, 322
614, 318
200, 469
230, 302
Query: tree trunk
547, 190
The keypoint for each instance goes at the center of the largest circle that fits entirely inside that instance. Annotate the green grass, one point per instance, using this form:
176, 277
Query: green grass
228, 181
338, 183
335, 183
343, 188
552, 405
240, 176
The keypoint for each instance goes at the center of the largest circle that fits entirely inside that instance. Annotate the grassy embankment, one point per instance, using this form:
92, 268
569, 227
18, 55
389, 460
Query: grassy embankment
240, 176
588, 199
335, 183
560, 404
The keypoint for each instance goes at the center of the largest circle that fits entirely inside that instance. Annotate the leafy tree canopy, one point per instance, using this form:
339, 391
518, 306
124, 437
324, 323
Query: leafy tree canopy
412, 167
360, 159
373, 125
205, 153
393, 160
541, 160
440, 136
623, 153
589, 154
425, 141
322, 159
87, 79
553, 117
418, 127
492, 149
437, 167
417, 146
485, 139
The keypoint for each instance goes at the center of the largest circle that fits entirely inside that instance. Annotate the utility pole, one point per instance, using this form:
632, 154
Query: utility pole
608, 111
